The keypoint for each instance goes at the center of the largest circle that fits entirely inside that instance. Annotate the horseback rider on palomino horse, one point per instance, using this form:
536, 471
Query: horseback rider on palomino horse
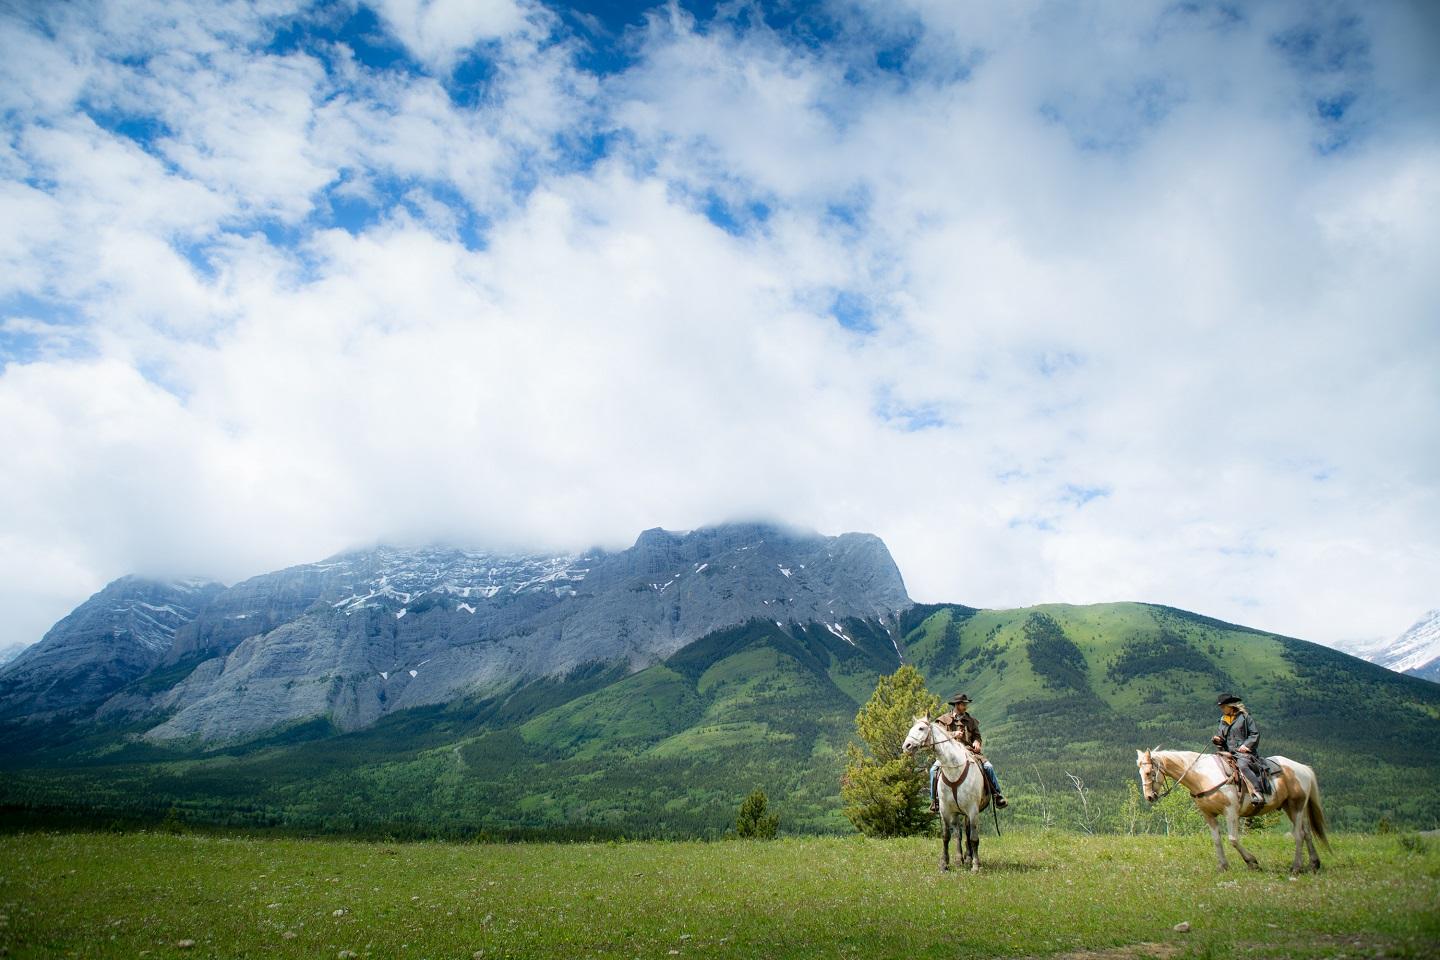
966, 730
1240, 737
1233, 784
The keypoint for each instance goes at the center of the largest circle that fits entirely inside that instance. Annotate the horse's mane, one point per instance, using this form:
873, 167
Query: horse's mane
1172, 754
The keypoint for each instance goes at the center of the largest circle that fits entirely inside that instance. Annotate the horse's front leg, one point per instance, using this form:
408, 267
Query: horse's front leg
972, 833
1214, 825
1232, 823
944, 843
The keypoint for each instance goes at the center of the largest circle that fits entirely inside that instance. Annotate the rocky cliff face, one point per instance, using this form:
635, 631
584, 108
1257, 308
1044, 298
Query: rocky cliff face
385, 578
366, 633
110, 640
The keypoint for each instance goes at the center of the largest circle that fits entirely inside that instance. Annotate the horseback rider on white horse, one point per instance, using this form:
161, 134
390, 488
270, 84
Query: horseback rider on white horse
963, 727
1240, 737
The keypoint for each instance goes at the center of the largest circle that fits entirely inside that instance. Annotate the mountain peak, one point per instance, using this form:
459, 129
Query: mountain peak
116, 636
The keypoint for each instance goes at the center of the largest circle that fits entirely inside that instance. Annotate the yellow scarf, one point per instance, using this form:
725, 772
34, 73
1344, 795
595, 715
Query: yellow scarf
1230, 719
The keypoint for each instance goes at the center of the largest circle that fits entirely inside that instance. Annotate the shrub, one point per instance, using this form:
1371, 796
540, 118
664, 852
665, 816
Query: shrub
884, 790
754, 821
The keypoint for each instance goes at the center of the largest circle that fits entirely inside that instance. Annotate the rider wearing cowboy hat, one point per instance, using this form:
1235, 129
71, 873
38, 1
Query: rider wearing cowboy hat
960, 725
1240, 737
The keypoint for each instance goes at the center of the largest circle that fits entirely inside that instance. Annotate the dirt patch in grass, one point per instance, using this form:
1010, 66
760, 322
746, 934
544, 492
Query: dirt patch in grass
1334, 947
1131, 951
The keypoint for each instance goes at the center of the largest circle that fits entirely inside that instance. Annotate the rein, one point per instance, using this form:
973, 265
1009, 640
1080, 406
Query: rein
1175, 781
930, 744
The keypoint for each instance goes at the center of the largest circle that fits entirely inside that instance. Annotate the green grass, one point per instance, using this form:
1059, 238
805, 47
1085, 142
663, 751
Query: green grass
1039, 894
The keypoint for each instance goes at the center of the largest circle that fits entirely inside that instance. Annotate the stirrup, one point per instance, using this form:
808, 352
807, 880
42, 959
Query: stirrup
935, 805
1000, 802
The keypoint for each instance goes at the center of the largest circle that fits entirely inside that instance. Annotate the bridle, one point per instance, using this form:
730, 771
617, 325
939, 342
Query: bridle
1174, 781
930, 742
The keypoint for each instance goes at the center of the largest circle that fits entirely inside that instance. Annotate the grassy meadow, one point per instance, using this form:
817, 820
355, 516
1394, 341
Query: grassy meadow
1040, 893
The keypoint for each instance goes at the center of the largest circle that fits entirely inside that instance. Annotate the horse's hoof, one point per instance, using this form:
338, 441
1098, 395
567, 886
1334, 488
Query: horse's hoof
1253, 864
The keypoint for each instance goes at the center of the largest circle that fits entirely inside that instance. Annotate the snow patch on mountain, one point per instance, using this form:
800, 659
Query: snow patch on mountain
1416, 651
1417, 648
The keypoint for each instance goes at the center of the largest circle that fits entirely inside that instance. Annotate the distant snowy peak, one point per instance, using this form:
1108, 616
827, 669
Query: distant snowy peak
10, 652
1417, 649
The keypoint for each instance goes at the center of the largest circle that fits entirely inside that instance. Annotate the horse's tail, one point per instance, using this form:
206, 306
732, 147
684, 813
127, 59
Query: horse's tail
1316, 813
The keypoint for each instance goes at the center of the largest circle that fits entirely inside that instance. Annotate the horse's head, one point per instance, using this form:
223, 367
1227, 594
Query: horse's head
920, 735
1150, 775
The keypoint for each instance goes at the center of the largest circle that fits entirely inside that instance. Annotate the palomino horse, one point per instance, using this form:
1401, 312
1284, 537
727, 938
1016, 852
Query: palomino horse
960, 786
1296, 791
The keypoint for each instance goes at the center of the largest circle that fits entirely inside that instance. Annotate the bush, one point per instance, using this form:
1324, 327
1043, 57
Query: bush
884, 790
754, 822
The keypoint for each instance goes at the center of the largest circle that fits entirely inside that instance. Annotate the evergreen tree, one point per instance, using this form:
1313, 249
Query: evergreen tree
884, 790
754, 821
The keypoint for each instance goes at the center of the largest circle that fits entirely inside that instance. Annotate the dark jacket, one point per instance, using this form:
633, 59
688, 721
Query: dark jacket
1242, 732
962, 727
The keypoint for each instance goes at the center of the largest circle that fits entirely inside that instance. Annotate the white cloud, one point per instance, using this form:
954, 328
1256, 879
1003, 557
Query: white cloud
437, 31
1108, 253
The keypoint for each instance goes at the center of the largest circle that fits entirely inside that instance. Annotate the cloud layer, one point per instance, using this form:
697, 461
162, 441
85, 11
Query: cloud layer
1109, 302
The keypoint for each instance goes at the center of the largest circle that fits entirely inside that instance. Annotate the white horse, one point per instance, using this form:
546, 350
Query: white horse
1296, 791
960, 784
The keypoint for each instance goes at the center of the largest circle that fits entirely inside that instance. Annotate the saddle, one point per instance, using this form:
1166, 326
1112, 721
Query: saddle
1267, 768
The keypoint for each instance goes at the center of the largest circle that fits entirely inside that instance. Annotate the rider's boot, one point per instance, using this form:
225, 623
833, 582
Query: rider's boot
1000, 802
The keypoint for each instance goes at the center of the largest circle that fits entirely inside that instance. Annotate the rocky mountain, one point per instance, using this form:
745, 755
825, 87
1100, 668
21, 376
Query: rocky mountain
673, 748
363, 634
1416, 651
106, 643
10, 652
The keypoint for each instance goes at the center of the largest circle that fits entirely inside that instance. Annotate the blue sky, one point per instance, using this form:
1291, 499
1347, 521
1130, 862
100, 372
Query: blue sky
1068, 302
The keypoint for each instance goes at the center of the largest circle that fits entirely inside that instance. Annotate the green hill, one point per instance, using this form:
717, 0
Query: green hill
672, 749
1076, 688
